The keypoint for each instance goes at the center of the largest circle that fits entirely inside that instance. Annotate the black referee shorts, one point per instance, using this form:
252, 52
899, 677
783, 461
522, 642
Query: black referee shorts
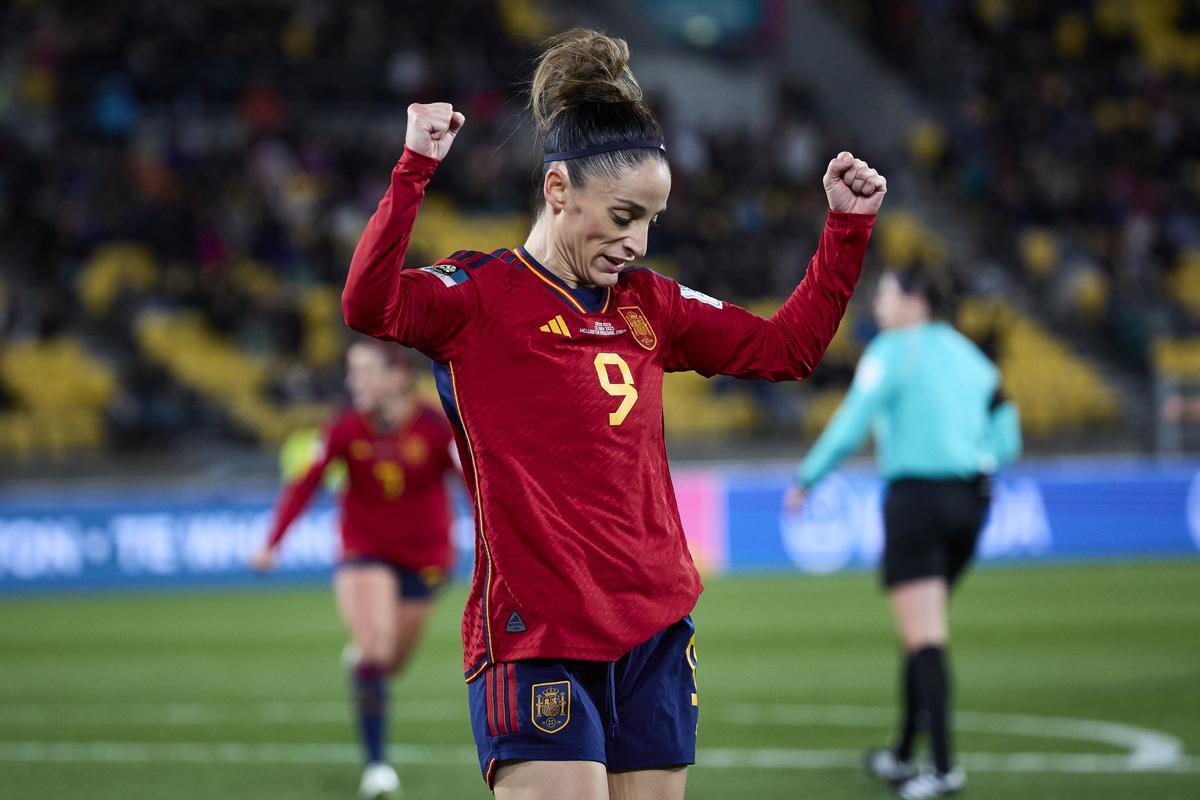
931, 527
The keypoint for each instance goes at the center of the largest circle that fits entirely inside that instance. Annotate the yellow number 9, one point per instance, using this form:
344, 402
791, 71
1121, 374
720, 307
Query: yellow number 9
625, 389
390, 477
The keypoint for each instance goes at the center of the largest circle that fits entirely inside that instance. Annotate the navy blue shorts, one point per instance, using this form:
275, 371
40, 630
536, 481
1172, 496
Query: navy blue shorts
639, 712
419, 584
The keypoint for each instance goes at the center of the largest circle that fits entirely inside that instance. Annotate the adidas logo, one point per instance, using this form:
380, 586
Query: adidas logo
515, 623
556, 325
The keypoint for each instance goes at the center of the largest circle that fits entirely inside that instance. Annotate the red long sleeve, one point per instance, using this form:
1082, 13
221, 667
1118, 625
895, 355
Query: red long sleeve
711, 337
384, 300
296, 495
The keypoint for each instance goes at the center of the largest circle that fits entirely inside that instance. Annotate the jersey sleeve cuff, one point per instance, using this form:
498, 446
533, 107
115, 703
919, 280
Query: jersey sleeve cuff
415, 163
802, 478
844, 220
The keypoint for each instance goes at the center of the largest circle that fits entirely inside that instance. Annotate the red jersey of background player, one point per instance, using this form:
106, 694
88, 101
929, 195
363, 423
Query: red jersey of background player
555, 395
395, 506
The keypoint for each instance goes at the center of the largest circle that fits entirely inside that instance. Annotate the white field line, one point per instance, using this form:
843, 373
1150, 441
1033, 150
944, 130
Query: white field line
259, 753
199, 714
1146, 750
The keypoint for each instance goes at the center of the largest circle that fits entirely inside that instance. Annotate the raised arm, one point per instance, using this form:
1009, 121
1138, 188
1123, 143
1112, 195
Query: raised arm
711, 337
295, 497
382, 299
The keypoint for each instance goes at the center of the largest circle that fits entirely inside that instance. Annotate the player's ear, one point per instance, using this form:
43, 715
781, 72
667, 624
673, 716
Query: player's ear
554, 187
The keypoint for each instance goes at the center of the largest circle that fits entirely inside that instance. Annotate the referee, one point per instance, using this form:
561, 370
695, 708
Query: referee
942, 427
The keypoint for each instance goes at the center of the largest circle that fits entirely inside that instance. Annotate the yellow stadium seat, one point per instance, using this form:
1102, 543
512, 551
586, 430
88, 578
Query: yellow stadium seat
927, 142
1039, 252
61, 393
818, 411
1089, 294
112, 268
441, 229
693, 411
1177, 358
323, 326
903, 239
525, 19
213, 366
1071, 35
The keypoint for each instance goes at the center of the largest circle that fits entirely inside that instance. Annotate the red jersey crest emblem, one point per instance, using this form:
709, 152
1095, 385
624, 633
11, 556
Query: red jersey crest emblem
415, 450
639, 326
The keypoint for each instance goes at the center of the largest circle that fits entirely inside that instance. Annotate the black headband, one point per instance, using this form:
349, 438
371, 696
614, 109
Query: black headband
597, 149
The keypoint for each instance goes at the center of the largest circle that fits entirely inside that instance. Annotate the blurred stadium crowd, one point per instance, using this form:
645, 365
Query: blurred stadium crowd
181, 186
1072, 129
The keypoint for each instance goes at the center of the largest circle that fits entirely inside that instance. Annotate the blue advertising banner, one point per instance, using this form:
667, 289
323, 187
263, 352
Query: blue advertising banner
734, 518
1083, 510
144, 542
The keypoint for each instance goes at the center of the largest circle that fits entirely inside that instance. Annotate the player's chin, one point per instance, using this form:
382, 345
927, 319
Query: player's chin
604, 277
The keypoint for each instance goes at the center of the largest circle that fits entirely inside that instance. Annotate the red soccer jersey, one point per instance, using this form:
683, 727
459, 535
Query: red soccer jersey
395, 505
556, 399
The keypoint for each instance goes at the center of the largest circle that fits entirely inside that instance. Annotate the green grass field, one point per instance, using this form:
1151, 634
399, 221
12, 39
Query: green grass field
241, 695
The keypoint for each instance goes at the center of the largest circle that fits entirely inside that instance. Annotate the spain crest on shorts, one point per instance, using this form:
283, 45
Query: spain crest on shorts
551, 706
639, 326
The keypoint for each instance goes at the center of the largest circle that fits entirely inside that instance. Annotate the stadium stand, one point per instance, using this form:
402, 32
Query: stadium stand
57, 393
194, 209
1070, 131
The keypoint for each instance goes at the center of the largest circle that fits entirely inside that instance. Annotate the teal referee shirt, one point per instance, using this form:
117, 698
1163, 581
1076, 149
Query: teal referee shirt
932, 398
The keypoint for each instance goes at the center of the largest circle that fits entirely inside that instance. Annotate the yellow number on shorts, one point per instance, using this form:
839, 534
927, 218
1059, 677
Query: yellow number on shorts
625, 389
390, 477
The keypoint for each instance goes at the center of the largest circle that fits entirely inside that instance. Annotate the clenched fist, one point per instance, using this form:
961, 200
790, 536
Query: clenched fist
263, 560
851, 185
432, 128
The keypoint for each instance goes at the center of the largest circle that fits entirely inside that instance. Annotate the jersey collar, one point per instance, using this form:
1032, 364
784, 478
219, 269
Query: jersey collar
584, 299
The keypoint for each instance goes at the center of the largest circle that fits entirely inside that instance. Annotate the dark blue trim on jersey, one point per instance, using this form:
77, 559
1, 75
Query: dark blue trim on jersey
445, 387
476, 668
466, 260
477, 260
591, 298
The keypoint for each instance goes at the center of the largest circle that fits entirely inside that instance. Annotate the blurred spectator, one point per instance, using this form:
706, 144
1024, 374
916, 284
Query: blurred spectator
1078, 124
233, 155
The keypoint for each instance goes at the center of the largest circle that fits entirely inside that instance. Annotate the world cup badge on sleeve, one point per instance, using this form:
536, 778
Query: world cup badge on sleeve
639, 326
551, 706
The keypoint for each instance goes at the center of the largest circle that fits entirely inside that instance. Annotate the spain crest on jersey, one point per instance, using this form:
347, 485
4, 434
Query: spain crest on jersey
414, 450
639, 326
551, 706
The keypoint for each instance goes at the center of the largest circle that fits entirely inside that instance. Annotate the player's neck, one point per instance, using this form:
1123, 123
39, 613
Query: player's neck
396, 412
540, 246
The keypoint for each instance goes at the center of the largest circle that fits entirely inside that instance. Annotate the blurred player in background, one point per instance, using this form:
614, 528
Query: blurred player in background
578, 642
396, 546
942, 427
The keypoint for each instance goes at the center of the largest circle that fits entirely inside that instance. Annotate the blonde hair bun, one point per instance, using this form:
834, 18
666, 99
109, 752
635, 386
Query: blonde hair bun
578, 67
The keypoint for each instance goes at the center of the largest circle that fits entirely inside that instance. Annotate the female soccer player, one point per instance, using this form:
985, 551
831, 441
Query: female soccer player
942, 427
396, 546
578, 644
